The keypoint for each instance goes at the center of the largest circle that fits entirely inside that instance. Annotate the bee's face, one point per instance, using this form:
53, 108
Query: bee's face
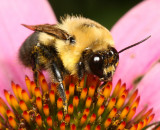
104, 63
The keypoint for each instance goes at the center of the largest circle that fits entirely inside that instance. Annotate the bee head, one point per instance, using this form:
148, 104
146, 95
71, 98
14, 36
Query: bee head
104, 63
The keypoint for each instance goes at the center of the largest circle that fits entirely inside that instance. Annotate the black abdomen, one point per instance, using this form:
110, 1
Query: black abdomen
25, 52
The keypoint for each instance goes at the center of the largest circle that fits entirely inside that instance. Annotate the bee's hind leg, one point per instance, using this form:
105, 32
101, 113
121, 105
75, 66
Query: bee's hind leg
61, 90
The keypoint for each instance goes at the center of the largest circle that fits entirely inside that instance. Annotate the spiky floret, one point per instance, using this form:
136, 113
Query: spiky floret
42, 108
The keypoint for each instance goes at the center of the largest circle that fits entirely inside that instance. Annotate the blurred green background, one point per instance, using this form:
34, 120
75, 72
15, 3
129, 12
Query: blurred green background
106, 12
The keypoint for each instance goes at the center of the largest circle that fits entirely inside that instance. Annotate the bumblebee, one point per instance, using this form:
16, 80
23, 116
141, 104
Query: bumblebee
75, 46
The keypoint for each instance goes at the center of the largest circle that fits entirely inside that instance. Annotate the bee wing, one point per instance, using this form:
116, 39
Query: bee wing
51, 29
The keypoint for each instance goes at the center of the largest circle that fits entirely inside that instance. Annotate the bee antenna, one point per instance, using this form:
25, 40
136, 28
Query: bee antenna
135, 44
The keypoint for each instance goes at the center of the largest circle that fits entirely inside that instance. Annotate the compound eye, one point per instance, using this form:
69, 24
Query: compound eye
96, 64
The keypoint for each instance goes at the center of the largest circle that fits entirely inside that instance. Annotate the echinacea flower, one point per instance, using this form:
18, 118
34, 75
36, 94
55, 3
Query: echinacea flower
43, 109
87, 109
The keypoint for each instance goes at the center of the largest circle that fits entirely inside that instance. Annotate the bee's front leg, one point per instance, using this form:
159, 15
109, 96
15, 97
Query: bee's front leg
100, 88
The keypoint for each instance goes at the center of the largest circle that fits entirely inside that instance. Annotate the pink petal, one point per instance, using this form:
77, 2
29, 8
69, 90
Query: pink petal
12, 34
141, 21
149, 90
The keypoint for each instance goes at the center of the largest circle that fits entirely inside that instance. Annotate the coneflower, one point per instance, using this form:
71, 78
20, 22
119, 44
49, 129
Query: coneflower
113, 107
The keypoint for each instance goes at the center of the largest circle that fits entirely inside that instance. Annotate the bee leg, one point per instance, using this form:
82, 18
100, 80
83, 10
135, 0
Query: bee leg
56, 72
81, 71
81, 66
55, 69
100, 88
35, 64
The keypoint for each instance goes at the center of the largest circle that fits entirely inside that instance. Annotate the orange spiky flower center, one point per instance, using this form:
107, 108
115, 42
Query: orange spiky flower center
88, 108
